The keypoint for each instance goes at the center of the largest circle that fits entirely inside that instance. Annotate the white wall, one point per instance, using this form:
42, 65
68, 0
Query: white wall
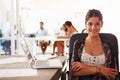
4, 15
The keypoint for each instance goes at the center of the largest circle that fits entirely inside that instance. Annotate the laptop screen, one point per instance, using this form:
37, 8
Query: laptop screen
25, 47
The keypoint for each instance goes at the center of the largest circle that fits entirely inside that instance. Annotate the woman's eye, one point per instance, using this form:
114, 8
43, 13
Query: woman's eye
97, 24
90, 24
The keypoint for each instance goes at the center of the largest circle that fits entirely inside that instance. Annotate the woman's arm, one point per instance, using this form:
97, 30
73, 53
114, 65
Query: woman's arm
63, 37
68, 34
80, 69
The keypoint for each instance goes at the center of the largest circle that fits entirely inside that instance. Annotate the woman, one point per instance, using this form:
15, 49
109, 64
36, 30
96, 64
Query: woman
60, 44
91, 59
70, 30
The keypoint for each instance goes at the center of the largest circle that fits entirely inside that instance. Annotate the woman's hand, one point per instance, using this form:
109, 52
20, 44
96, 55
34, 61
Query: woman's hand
59, 37
63, 37
76, 66
109, 73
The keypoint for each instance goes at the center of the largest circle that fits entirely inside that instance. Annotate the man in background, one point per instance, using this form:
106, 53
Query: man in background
42, 43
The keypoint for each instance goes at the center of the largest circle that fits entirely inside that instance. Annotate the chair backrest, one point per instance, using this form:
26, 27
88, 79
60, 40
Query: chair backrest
110, 39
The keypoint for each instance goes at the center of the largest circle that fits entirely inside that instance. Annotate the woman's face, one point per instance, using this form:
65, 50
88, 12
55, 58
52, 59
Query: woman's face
93, 26
63, 28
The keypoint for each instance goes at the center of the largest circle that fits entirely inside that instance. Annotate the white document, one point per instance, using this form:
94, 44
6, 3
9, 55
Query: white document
52, 63
13, 60
45, 57
17, 72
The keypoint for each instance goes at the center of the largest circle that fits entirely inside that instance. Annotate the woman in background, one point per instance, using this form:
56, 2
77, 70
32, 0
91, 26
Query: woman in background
69, 30
60, 44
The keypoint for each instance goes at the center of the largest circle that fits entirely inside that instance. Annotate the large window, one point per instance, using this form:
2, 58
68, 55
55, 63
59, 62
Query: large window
8, 28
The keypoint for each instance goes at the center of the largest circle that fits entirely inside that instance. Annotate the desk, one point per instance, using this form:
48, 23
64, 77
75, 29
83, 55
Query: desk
43, 74
46, 38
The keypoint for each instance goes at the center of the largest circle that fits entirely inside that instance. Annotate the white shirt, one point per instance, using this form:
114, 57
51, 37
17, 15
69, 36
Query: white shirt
42, 32
92, 60
61, 33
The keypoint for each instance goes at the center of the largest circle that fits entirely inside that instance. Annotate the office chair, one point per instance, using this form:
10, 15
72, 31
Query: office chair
6, 44
110, 39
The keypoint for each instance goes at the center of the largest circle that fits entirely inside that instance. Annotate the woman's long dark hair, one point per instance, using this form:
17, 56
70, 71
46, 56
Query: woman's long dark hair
93, 13
69, 24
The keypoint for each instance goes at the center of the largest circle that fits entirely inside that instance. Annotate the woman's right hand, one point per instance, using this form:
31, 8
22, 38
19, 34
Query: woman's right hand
109, 73
76, 66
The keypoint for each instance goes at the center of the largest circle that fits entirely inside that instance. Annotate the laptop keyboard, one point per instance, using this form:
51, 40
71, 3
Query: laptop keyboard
42, 63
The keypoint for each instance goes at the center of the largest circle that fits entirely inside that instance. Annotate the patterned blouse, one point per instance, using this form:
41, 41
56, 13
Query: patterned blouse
110, 59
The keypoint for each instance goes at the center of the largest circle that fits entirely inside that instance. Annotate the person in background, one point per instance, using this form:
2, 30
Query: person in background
42, 43
69, 30
42, 31
6, 43
60, 44
92, 59
1, 33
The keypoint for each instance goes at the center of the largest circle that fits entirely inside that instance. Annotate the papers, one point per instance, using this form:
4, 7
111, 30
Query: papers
45, 57
55, 63
46, 61
51, 63
13, 60
17, 72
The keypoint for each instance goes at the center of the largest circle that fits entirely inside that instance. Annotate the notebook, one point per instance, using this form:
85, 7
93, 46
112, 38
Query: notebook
39, 61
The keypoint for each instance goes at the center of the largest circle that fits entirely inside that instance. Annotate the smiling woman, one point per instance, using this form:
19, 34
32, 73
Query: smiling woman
91, 59
93, 22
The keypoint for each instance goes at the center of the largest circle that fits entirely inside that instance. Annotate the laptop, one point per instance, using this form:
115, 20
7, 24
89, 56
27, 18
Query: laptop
39, 61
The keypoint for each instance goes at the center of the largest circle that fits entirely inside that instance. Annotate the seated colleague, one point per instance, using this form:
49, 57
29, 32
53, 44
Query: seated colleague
60, 44
69, 29
43, 32
1, 33
6, 43
92, 59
